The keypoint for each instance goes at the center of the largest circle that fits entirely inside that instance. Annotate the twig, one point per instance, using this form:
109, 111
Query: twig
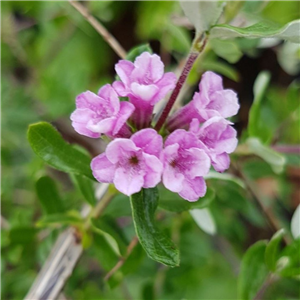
262, 290
185, 72
253, 190
120, 263
63, 257
292, 149
4, 223
100, 29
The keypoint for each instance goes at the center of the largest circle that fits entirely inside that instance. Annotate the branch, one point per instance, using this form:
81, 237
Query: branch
120, 263
64, 256
253, 190
100, 29
197, 48
292, 149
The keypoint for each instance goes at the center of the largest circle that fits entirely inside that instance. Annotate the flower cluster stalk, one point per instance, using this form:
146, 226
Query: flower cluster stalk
197, 48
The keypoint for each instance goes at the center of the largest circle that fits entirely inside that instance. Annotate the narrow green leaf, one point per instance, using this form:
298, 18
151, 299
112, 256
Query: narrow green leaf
48, 195
173, 202
222, 68
68, 218
289, 32
226, 49
256, 125
156, 244
253, 271
85, 186
109, 229
138, 50
225, 177
48, 144
272, 250
204, 220
275, 159
295, 223
104, 251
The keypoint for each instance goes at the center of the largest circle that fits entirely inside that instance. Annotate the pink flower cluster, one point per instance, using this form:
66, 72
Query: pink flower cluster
137, 157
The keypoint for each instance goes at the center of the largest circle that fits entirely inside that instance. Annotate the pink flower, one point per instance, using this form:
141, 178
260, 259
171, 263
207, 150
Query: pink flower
145, 83
185, 164
211, 101
101, 114
219, 138
131, 163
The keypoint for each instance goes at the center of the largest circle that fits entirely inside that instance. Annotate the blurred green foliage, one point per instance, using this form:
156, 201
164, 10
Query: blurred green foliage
49, 54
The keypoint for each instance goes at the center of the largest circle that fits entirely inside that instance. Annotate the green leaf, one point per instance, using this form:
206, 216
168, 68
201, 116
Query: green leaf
85, 186
138, 50
68, 218
173, 202
118, 207
204, 220
228, 50
289, 262
104, 251
272, 250
225, 177
222, 68
202, 14
295, 223
156, 244
48, 144
48, 195
253, 271
111, 232
256, 125
273, 158
289, 32
22, 235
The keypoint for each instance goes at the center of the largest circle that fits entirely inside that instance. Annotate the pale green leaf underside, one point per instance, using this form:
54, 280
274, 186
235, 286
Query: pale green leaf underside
289, 32
202, 14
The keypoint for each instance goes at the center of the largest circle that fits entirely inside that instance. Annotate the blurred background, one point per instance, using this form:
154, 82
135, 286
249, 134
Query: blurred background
50, 54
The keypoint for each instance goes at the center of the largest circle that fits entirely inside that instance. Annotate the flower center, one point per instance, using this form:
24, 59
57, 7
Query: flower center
173, 163
133, 160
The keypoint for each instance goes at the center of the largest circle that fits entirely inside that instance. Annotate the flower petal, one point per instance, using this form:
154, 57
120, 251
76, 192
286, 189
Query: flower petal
124, 69
210, 82
149, 141
165, 85
225, 102
104, 126
172, 179
111, 102
121, 89
89, 100
220, 162
126, 109
103, 169
148, 68
193, 189
154, 168
197, 161
80, 119
120, 150
128, 182
144, 92
182, 137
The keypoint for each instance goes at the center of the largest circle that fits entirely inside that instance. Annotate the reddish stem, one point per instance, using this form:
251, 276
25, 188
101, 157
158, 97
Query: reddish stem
294, 149
191, 59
